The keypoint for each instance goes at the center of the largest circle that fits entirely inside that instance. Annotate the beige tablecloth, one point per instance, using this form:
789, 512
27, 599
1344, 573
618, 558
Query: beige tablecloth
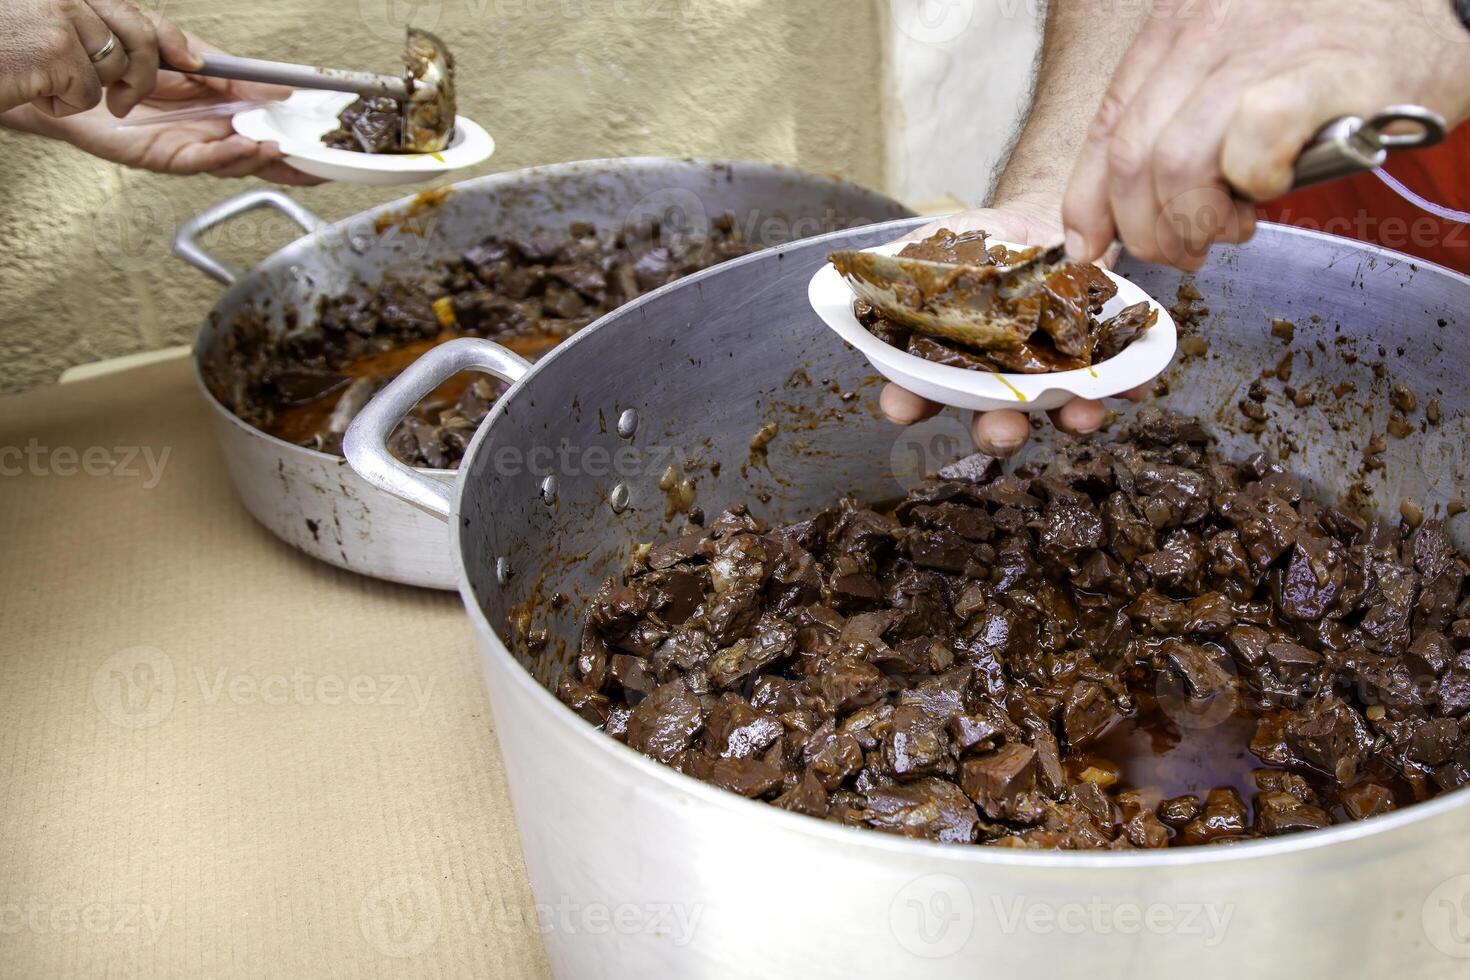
217, 756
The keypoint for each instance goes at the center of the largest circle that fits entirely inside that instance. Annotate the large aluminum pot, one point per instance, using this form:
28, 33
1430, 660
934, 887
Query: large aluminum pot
313, 500
644, 872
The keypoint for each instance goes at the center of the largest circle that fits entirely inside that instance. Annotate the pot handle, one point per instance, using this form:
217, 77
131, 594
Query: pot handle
186, 239
366, 442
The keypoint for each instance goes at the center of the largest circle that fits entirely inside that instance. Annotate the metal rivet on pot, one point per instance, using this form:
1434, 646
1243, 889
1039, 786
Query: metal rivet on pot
628, 423
548, 489
502, 570
618, 499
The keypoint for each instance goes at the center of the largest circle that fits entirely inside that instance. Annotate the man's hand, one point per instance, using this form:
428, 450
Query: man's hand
46, 50
1023, 222
1209, 99
200, 146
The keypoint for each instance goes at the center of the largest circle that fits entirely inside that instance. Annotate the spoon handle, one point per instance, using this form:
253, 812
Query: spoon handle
298, 76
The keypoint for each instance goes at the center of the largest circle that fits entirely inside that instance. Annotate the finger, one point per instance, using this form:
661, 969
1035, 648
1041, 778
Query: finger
72, 83
1195, 200
1086, 215
262, 156
1136, 151
243, 167
1080, 416
94, 34
1000, 433
1135, 394
175, 47
267, 164
179, 86
1277, 117
208, 157
1244, 227
255, 91
905, 407
136, 36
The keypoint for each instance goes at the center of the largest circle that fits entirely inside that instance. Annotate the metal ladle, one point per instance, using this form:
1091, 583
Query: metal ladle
425, 89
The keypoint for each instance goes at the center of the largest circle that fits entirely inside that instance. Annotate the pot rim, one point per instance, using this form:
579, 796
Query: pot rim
976, 856
633, 164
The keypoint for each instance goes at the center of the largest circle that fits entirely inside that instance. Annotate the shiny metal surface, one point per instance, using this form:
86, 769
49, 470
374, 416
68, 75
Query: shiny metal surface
218, 65
712, 885
186, 240
313, 500
366, 441
1352, 144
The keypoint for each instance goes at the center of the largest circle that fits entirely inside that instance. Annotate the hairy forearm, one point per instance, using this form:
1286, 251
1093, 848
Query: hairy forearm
1085, 40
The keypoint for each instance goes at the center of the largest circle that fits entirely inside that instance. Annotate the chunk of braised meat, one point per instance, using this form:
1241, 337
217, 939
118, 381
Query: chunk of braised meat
994, 659
1222, 818
1121, 329
665, 723
932, 808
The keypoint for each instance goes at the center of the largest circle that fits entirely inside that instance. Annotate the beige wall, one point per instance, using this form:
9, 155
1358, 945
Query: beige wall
84, 266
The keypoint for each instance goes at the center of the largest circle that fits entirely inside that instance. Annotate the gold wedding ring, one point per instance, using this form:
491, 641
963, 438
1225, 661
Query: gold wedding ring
105, 50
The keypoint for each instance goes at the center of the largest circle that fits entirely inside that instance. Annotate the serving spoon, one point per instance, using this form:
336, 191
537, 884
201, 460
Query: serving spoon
425, 88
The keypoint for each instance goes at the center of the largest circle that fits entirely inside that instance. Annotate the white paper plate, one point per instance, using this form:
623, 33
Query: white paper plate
299, 122
983, 391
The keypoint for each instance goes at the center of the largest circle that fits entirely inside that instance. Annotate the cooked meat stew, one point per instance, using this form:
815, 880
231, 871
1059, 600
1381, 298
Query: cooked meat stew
1065, 333
1135, 644
304, 385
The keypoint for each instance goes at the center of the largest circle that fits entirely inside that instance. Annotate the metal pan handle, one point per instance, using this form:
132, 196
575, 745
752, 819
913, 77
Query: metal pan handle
1352, 144
186, 239
366, 443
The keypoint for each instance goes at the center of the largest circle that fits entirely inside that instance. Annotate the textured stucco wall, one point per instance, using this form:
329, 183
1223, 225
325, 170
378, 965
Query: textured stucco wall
84, 266
959, 81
